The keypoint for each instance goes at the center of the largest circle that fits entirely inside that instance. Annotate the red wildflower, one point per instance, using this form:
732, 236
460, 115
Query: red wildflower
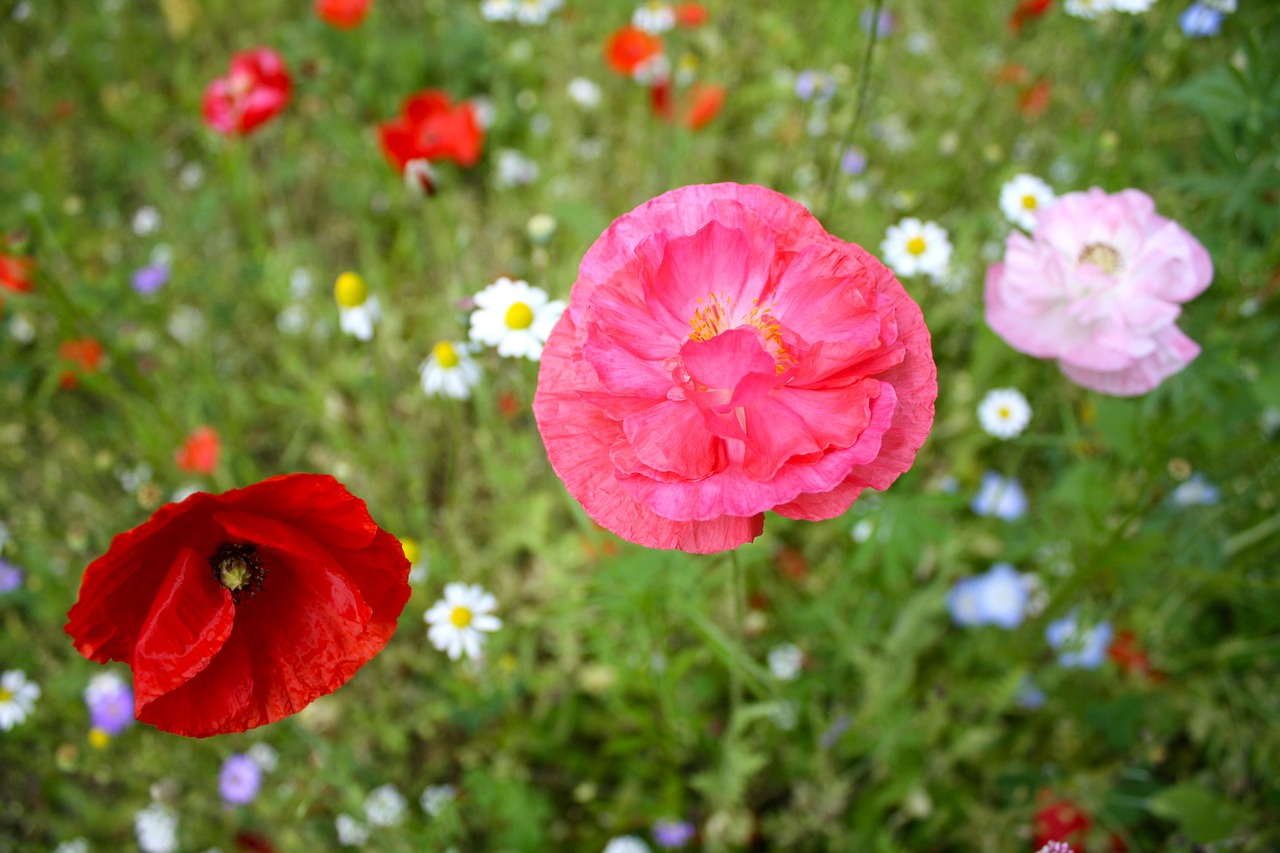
1062, 821
85, 356
1012, 73
432, 127
1027, 10
630, 49
256, 88
343, 14
15, 273
660, 99
199, 453
690, 14
705, 102
1034, 99
239, 609
1131, 657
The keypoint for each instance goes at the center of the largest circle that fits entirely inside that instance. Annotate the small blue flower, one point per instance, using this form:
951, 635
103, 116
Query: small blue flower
673, 834
1199, 21
815, 86
997, 597
239, 780
965, 602
1196, 491
885, 23
853, 162
1029, 695
1000, 497
1077, 646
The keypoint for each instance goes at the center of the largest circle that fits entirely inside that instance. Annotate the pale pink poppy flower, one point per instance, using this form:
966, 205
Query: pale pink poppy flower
723, 355
1098, 286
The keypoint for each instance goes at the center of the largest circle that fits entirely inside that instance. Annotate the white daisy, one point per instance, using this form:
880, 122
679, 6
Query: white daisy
1004, 413
385, 806
514, 317
1022, 198
498, 10
156, 828
351, 832
912, 247
449, 371
514, 169
75, 845
786, 661
655, 18
626, 844
358, 311
1133, 7
458, 619
436, 798
584, 93
1088, 8
17, 698
535, 12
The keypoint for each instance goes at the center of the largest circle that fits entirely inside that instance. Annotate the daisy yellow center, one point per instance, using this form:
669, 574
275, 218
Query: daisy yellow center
460, 617
519, 316
412, 550
5, 695
1029, 202
446, 355
98, 739
916, 245
1003, 412
716, 315
350, 290
1103, 256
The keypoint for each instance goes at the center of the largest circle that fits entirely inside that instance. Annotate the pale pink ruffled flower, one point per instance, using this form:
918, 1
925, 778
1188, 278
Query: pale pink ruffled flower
722, 355
1098, 286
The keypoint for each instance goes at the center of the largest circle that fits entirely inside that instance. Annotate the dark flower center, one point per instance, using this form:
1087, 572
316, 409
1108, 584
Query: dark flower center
1103, 256
237, 567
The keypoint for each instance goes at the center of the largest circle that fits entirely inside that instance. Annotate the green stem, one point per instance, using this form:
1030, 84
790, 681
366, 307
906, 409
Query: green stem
864, 82
738, 595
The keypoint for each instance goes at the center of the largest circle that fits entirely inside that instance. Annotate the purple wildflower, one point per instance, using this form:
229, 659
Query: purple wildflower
673, 834
110, 703
151, 278
10, 577
853, 162
239, 780
885, 23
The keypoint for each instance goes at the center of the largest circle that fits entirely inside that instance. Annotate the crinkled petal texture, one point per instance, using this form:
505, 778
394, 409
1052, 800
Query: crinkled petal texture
722, 355
256, 88
1098, 286
206, 662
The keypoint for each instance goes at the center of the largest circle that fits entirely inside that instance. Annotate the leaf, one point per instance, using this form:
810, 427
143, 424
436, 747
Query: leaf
1203, 815
1219, 95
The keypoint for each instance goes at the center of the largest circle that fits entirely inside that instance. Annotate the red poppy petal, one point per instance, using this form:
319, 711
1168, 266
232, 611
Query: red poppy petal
381, 572
190, 620
314, 503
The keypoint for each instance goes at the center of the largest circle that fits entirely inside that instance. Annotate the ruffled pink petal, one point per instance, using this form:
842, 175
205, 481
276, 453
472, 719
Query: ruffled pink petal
672, 437
797, 422
1174, 351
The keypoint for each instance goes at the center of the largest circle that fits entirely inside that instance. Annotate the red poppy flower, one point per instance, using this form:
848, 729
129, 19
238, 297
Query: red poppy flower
1131, 657
691, 14
199, 453
15, 273
256, 88
432, 127
705, 102
85, 356
239, 609
630, 49
1027, 10
1061, 821
1034, 99
343, 14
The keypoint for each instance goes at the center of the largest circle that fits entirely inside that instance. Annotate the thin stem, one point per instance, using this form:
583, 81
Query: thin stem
737, 590
864, 81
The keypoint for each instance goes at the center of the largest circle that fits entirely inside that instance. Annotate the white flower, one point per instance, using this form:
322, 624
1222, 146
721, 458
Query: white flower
419, 178
1088, 8
17, 698
1133, 7
653, 17
1004, 413
360, 320
786, 661
146, 221
156, 827
584, 93
351, 832
531, 12
498, 10
436, 798
458, 619
1226, 6
75, 845
912, 247
626, 844
264, 756
514, 169
514, 317
449, 371
385, 806
1022, 198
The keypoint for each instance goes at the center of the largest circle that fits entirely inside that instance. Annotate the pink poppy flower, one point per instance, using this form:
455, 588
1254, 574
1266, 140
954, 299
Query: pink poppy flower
1098, 287
723, 355
255, 89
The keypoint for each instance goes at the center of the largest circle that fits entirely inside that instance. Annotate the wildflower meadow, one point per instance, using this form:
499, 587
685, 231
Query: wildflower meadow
546, 425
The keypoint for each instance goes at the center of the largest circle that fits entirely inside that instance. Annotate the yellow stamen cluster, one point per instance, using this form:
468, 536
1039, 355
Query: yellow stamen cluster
350, 290
460, 617
5, 695
916, 245
446, 356
1103, 256
519, 316
717, 316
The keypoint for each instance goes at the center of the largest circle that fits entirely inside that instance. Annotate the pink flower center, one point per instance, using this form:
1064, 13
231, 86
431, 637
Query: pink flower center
1103, 256
717, 315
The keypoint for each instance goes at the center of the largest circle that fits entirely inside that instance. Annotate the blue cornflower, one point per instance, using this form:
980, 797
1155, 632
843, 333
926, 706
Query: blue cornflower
1001, 497
1199, 21
997, 597
151, 278
673, 834
240, 779
1077, 646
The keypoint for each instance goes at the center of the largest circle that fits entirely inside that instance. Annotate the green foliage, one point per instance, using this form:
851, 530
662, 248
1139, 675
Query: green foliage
630, 685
